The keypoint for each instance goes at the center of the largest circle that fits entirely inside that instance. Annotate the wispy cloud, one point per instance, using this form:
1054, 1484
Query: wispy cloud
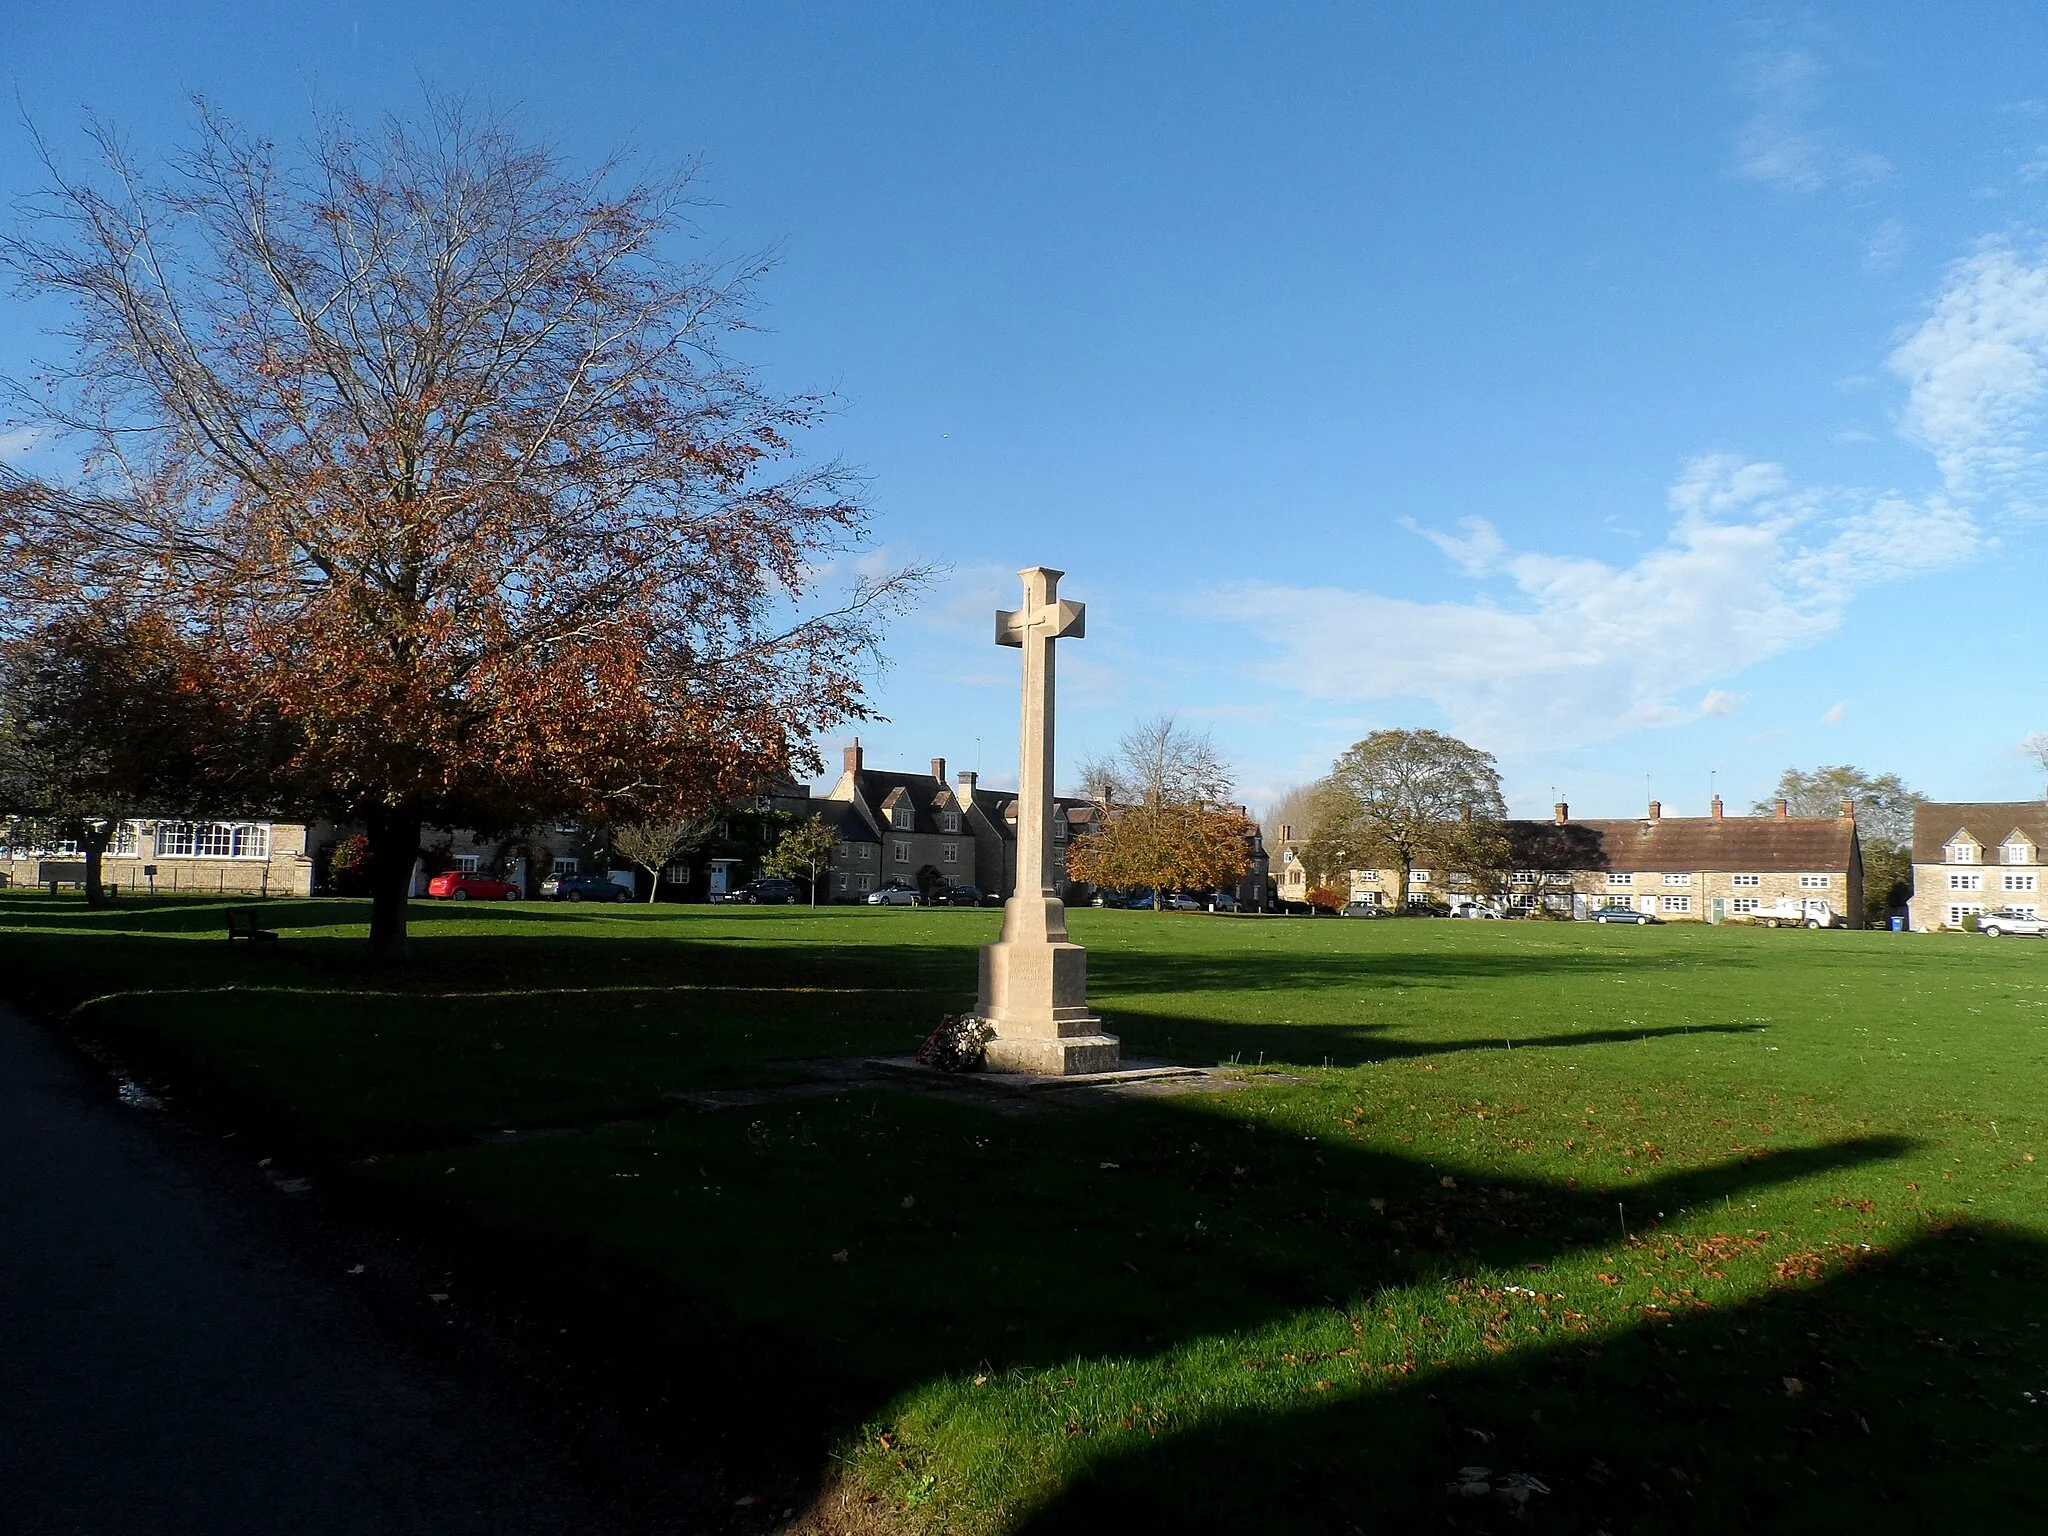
1749, 570
18, 444
1977, 368
1779, 144
1886, 246
1835, 713
1720, 702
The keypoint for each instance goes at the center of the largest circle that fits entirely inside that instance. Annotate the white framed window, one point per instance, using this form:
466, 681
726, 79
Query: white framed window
1678, 879
903, 853
1418, 877
566, 866
122, 844
1614, 880
863, 882
1961, 853
2017, 882
950, 852
1677, 903
1745, 880
1369, 875
565, 829
866, 850
212, 840
1741, 904
2016, 853
1522, 877
2023, 909
466, 863
1966, 882
901, 816
1958, 910
845, 881
950, 821
676, 874
1815, 882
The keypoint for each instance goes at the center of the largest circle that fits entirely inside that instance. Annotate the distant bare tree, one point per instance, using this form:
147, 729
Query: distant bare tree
654, 845
1157, 762
2036, 747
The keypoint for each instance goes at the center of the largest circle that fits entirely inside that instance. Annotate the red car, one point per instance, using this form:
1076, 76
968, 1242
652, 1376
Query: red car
458, 886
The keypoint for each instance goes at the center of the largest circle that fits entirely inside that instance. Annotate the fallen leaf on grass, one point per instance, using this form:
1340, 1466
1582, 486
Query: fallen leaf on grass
1448, 1182
841, 1256
1794, 1386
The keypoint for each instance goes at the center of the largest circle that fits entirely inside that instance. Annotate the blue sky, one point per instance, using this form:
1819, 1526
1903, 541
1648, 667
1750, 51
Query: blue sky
1643, 394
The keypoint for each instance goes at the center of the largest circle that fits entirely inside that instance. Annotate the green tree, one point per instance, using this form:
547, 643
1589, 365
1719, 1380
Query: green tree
1884, 805
802, 852
1403, 798
103, 717
1884, 824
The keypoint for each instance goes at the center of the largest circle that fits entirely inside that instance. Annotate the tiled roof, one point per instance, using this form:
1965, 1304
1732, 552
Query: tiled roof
1722, 843
1988, 821
844, 819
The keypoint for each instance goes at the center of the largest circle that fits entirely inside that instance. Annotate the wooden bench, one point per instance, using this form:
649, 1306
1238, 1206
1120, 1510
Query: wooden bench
243, 923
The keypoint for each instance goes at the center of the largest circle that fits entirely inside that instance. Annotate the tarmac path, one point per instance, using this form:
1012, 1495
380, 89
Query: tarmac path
173, 1362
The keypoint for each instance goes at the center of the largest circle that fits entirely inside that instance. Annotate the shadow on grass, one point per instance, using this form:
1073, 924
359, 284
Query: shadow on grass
1901, 1394
821, 1265
1205, 1042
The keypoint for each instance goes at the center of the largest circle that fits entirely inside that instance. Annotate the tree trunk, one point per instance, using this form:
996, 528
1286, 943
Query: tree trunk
1401, 892
95, 846
653, 885
394, 837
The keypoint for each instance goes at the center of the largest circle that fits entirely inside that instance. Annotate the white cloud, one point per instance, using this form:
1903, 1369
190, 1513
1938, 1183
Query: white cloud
1750, 569
18, 444
1720, 702
1977, 368
1477, 552
1834, 714
1885, 247
1778, 144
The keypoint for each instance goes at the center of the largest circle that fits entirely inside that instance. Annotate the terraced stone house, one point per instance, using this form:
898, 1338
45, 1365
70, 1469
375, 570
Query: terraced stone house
1974, 857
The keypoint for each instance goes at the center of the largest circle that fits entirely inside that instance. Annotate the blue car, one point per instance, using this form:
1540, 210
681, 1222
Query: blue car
583, 888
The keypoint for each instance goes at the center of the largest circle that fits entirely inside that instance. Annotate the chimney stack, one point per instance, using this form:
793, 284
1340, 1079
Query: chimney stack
853, 756
939, 769
1848, 809
1784, 811
1656, 810
1717, 808
1286, 832
966, 791
1562, 812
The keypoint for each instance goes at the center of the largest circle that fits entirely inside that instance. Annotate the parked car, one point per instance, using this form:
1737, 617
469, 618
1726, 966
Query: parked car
1625, 915
1180, 901
1362, 909
1472, 909
460, 885
768, 891
1138, 901
1222, 901
1796, 912
1110, 899
962, 896
583, 888
1996, 925
895, 894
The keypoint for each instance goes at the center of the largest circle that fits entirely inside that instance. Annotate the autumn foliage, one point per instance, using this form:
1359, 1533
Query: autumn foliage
431, 445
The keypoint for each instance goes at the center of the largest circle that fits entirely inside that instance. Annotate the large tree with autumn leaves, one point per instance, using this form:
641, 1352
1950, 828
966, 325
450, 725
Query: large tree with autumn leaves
432, 443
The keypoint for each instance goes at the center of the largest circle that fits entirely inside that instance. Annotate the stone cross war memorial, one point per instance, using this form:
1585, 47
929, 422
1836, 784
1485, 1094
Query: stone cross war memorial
1034, 980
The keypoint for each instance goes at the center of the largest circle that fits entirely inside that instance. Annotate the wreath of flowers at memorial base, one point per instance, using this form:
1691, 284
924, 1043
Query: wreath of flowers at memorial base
959, 1044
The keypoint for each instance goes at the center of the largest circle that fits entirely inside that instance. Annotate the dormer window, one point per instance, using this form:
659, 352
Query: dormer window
950, 821
1962, 853
2016, 850
900, 817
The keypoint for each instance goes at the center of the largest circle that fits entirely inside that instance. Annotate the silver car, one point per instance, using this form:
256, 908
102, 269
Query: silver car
1996, 925
895, 896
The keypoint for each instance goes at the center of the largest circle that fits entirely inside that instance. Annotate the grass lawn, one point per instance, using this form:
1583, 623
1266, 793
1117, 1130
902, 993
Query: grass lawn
1696, 1229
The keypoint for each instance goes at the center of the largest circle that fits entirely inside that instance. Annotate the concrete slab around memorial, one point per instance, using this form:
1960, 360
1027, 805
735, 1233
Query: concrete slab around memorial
1034, 980
999, 1082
